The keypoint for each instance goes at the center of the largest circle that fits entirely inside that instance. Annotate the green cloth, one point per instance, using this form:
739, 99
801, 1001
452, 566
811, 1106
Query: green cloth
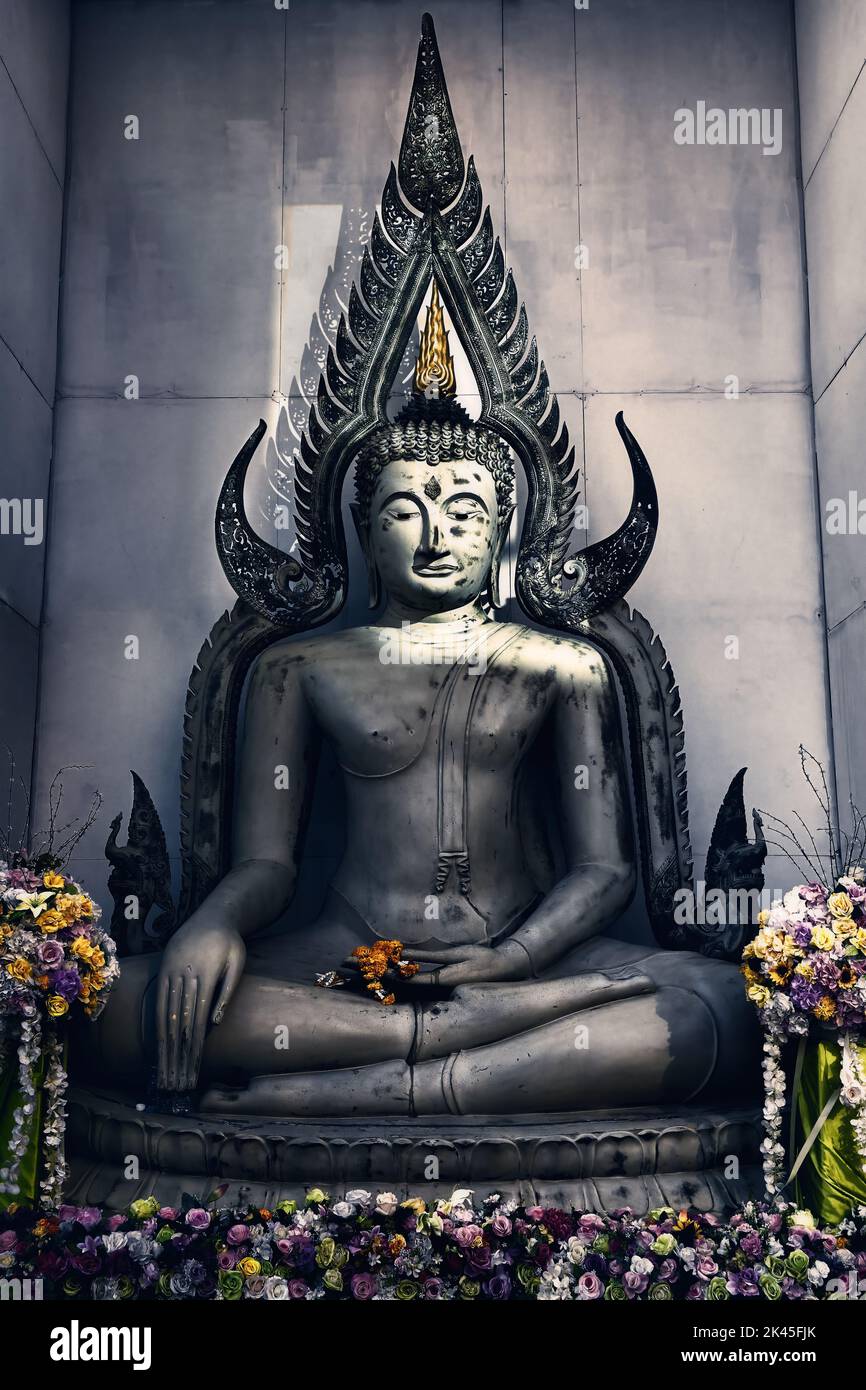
831, 1180
10, 1099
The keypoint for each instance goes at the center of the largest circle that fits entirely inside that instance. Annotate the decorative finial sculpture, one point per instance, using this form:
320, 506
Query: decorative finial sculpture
434, 370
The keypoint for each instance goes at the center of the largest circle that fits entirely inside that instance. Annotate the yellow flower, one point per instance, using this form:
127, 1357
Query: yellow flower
822, 937
20, 969
752, 976
57, 1006
759, 995
82, 947
51, 921
97, 981
840, 904
249, 1266
826, 1009
74, 905
97, 958
859, 938
50, 880
844, 926
781, 974
805, 969
414, 1204
763, 916
5, 931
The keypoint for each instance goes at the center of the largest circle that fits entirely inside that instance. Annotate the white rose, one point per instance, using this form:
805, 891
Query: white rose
387, 1203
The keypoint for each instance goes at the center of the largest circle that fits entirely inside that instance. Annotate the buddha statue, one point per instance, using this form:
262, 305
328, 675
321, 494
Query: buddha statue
499, 815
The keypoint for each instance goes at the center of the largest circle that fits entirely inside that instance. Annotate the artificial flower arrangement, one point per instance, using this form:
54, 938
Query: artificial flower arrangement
805, 971
375, 964
55, 960
377, 1247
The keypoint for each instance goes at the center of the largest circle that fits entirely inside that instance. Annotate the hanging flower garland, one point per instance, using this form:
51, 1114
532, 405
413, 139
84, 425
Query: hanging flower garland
54, 959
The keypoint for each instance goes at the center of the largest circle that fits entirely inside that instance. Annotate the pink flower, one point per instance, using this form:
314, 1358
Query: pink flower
589, 1286
467, 1235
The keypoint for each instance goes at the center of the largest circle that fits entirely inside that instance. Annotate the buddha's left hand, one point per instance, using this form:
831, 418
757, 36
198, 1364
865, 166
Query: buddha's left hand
460, 965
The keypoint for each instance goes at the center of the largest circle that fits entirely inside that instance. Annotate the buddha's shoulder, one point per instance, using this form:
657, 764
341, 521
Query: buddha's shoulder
307, 652
556, 654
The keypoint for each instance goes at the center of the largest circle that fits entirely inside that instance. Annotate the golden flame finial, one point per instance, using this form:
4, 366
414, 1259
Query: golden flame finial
434, 370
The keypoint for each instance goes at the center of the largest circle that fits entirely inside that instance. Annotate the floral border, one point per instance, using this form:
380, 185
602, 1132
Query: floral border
377, 1247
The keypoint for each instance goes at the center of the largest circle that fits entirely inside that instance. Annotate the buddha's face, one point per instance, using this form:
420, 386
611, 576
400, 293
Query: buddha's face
434, 532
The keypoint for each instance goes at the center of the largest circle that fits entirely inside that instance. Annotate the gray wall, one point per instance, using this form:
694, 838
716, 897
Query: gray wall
259, 127
831, 51
34, 59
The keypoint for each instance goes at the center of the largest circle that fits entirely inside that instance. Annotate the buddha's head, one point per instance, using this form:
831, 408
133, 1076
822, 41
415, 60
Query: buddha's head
434, 492
434, 499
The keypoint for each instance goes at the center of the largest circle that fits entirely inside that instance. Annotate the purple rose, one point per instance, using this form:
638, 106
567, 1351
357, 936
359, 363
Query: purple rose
67, 983
589, 1286
500, 1225
499, 1286
465, 1235
88, 1217
50, 954
199, 1219
432, 1289
706, 1266
802, 934
751, 1245
52, 1264
696, 1292
86, 1262
297, 1288
634, 1283
479, 1257
167, 1213
364, 1285
8, 1240
236, 1235
227, 1259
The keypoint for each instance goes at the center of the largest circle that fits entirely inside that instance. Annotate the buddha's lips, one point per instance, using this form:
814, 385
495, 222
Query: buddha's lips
434, 570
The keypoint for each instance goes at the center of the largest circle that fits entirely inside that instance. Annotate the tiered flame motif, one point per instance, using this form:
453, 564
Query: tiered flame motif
434, 370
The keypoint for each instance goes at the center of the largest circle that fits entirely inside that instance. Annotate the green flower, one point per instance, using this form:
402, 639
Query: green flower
267, 1267
601, 1244
333, 1280
528, 1278
469, 1288
664, 1245
287, 1208
231, 1284
770, 1287
659, 1292
164, 1234
776, 1265
71, 1288
717, 1290
614, 1293
406, 1290
143, 1208
316, 1197
797, 1263
325, 1252
125, 1286
659, 1214
163, 1284
341, 1256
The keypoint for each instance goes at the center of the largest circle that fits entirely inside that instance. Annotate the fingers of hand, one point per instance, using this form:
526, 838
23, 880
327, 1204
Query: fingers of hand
232, 973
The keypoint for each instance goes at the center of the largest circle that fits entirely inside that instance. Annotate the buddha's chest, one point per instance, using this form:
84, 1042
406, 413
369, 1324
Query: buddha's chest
382, 719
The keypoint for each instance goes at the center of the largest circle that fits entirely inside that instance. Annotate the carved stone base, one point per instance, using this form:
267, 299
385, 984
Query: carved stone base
592, 1161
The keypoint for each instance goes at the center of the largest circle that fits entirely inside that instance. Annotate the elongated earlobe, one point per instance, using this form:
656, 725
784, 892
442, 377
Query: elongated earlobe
374, 583
493, 578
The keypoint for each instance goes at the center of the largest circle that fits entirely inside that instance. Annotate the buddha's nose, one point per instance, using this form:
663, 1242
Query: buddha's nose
431, 539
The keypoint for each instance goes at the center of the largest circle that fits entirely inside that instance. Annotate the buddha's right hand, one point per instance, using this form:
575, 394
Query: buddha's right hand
201, 966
